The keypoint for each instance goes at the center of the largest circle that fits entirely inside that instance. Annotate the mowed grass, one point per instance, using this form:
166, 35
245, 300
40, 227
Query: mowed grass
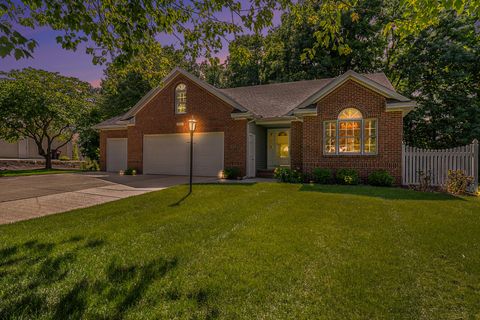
30, 172
262, 251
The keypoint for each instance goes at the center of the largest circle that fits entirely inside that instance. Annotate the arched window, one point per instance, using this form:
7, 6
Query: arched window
350, 134
181, 98
350, 114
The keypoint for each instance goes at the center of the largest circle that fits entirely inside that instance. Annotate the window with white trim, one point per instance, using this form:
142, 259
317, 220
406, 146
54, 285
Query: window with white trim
350, 134
181, 98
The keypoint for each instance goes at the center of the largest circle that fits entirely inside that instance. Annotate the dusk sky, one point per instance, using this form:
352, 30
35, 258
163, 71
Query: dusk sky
51, 57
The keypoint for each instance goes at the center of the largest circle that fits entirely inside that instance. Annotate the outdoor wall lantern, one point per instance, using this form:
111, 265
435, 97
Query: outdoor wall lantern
192, 125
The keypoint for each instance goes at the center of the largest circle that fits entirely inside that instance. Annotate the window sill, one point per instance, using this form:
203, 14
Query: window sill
358, 155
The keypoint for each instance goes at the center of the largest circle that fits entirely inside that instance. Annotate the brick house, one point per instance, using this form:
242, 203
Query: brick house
352, 121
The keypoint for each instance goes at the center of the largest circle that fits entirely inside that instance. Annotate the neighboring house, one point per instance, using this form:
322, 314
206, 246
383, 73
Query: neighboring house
27, 149
352, 121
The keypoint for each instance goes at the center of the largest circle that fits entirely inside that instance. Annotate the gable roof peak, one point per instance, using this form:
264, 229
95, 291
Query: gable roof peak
172, 75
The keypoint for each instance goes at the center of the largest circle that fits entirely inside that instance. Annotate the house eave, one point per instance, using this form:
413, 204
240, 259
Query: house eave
242, 115
305, 112
111, 127
404, 106
276, 120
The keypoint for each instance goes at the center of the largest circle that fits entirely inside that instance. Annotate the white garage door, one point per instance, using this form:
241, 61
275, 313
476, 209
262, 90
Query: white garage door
170, 154
116, 154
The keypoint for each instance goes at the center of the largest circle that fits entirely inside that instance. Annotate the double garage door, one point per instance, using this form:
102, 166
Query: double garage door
170, 154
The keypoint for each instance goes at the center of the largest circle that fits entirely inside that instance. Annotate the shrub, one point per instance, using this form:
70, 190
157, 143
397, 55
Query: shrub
75, 153
288, 175
130, 172
231, 173
425, 181
90, 165
64, 158
347, 176
458, 182
380, 178
322, 175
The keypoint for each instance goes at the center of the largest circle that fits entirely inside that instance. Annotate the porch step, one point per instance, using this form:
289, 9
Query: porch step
265, 173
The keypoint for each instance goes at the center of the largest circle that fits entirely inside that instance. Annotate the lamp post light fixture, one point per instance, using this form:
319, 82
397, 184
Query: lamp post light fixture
192, 125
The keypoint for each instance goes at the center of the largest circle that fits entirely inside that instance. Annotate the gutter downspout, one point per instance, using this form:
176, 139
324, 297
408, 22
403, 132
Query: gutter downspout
246, 160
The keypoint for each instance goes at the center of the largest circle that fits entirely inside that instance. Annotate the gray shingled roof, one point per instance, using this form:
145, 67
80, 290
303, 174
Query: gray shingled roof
278, 99
267, 101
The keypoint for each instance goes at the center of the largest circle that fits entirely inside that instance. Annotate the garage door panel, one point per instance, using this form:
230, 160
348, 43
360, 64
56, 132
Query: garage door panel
116, 154
170, 154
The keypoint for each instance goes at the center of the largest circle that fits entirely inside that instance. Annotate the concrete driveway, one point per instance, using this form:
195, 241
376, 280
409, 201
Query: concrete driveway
27, 197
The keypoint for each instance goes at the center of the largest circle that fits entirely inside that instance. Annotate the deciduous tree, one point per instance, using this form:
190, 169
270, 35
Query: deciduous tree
43, 106
441, 69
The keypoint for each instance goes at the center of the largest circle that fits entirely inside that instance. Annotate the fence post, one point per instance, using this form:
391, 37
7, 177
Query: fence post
403, 165
475, 164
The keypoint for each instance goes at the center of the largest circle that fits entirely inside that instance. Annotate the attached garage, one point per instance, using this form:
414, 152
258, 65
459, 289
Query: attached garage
8, 150
116, 154
170, 154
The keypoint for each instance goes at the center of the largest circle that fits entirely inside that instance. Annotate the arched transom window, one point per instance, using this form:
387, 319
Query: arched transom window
181, 98
350, 134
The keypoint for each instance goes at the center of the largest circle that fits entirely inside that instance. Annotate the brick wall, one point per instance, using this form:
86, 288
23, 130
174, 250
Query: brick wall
296, 142
211, 113
104, 135
372, 105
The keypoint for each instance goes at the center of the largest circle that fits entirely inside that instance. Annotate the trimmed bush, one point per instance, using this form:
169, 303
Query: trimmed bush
64, 158
288, 175
231, 173
380, 178
458, 182
90, 165
347, 176
130, 172
322, 175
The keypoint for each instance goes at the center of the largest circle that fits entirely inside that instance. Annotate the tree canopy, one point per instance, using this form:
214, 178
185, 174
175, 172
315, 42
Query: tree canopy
120, 29
441, 70
43, 106
125, 84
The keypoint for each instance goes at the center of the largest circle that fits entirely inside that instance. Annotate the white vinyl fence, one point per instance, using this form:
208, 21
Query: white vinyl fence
438, 162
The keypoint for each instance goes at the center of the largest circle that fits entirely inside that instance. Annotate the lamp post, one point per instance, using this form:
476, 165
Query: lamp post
192, 125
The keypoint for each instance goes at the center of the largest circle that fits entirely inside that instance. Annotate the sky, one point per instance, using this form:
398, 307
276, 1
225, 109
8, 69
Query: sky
51, 57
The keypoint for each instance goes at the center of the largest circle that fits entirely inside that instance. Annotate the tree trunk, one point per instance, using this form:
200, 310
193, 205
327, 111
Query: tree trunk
48, 161
48, 156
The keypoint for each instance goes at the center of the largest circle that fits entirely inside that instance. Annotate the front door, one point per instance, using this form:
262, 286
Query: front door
278, 148
251, 156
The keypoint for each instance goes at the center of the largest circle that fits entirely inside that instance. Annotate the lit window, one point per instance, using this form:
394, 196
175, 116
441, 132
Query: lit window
350, 134
370, 136
330, 136
350, 114
282, 145
181, 98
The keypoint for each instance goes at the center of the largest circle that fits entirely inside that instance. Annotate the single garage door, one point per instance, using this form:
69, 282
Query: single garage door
170, 154
116, 154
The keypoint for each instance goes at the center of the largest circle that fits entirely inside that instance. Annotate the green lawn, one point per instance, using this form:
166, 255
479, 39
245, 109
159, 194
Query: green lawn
262, 251
30, 172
